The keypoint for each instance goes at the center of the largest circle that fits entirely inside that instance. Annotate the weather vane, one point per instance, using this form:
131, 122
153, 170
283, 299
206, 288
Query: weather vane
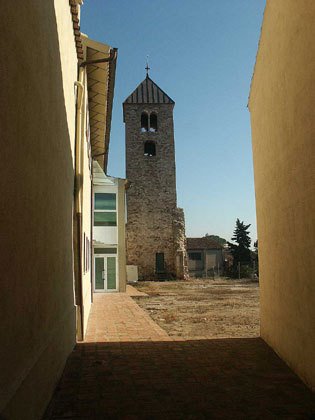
147, 66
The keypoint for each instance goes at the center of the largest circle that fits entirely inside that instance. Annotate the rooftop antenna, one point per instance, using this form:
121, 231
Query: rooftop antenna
147, 66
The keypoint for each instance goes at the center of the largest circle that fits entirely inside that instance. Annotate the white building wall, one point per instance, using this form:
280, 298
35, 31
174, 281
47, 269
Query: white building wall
107, 234
112, 236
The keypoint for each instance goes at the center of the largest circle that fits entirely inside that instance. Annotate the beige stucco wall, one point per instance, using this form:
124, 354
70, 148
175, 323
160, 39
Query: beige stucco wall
68, 64
86, 212
37, 329
282, 105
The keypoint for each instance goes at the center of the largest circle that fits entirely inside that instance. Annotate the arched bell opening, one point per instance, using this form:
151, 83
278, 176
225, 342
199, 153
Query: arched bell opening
153, 122
144, 122
149, 148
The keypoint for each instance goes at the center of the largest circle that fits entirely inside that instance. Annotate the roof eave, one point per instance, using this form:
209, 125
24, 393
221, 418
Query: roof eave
101, 73
111, 88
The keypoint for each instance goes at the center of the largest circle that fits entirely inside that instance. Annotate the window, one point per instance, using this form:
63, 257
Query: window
105, 213
105, 201
105, 250
153, 122
144, 122
149, 148
105, 218
148, 122
195, 256
86, 254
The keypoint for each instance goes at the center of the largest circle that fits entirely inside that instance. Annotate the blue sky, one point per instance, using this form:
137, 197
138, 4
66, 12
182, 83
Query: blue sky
202, 54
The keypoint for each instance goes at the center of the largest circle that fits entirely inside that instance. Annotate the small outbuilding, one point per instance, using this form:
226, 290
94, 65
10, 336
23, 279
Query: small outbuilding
205, 257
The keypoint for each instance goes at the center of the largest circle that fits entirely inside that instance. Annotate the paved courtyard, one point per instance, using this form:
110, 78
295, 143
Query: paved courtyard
115, 317
129, 368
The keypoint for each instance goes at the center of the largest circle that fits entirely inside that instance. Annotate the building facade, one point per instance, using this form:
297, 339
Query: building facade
109, 249
155, 226
281, 106
94, 89
205, 257
49, 127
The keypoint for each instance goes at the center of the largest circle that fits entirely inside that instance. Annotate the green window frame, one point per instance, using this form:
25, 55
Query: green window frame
105, 251
105, 201
105, 209
105, 218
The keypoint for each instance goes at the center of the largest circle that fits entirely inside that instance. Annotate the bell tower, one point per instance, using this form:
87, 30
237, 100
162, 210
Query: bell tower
155, 226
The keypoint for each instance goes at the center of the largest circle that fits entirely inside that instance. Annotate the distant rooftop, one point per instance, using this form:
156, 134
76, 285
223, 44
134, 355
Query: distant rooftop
202, 243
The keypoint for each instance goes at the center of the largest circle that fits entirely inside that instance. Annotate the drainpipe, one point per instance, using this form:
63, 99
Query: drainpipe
78, 196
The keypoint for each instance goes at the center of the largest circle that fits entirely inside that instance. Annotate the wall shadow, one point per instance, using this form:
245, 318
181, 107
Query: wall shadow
194, 379
36, 172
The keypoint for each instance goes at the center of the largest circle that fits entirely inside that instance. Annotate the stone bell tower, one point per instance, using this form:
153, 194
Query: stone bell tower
156, 241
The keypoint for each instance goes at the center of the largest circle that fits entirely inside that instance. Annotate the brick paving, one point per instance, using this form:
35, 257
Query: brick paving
128, 368
115, 317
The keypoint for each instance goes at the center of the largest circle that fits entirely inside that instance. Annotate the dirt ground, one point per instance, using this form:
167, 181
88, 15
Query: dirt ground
202, 309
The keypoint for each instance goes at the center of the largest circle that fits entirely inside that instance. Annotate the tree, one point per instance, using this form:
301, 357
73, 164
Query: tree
216, 238
256, 257
241, 250
256, 246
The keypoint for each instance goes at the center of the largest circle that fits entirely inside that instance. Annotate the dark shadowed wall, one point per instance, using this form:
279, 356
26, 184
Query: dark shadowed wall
38, 70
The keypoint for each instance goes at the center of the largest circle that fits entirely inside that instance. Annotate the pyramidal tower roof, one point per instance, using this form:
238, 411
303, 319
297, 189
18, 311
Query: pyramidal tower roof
148, 92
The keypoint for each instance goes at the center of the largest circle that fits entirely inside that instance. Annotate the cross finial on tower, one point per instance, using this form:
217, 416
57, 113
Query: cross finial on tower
147, 66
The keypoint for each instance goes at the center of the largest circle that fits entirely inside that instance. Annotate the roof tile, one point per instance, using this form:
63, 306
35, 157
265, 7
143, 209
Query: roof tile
202, 243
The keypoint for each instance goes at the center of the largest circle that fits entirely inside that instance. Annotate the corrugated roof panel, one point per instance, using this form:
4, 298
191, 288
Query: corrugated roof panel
148, 92
154, 93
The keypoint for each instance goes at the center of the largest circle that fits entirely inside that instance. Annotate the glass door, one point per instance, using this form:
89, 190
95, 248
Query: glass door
105, 269
99, 270
111, 280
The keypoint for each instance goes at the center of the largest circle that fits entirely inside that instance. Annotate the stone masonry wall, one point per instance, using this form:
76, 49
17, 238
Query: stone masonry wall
151, 198
180, 244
